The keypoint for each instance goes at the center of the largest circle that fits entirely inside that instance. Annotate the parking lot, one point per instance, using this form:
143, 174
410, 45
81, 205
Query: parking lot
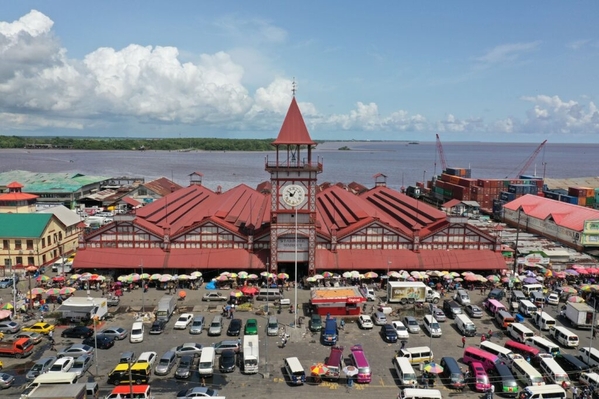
272, 380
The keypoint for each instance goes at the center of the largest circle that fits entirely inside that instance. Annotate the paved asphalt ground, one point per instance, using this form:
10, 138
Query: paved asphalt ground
303, 344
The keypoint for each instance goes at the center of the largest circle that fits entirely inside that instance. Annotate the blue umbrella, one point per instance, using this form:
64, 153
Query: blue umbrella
530, 280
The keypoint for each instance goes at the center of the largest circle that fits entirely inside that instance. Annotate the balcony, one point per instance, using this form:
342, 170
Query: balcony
291, 164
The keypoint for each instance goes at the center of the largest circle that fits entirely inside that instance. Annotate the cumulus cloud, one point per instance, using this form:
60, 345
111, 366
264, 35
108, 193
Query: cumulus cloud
506, 53
578, 44
453, 124
553, 115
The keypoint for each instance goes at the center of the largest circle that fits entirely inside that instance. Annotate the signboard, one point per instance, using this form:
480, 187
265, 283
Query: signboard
288, 244
535, 259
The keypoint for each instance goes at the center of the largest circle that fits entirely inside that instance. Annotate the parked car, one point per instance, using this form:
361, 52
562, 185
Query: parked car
196, 392
365, 322
76, 350
197, 325
183, 321
234, 328
438, 314
315, 322
9, 327
214, 296
42, 328
40, 367
184, 368
251, 327
226, 362
103, 341
221, 346
474, 311
62, 365
158, 327
6, 380
401, 330
388, 333
411, 324
379, 318
36, 338
189, 348
81, 365
119, 333
77, 332
147, 357
552, 299
6, 282
127, 357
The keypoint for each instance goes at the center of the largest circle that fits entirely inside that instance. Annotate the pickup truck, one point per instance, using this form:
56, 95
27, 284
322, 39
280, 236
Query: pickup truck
113, 301
20, 347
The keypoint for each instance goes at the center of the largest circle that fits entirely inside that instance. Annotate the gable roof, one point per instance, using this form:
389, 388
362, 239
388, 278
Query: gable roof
23, 225
293, 130
563, 214
162, 186
64, 214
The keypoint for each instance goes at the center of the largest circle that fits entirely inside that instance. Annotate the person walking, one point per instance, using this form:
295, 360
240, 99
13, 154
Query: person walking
574, 392
463, 341
483, 338
403, 345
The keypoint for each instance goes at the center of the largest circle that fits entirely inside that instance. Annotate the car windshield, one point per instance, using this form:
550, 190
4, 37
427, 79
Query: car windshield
435, 325
412, 322
37, 367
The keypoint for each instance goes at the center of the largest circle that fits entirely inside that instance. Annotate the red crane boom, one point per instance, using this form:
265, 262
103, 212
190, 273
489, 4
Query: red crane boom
441, 156
531, 159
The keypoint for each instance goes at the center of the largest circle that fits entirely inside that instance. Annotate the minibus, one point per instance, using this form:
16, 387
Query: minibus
452, 374
334, 363
543, 345
523, 349
125, 392
537, 298
465, 326
295, 370
519, 332
573, 365
419, 354
415, 393
504, 381
565, 337
494, 306
504, 354
589, 379
269, 294
554, 373
405, 372
544, 321
526, 373
207, 359
527, 308
527, 289
504, 319
589, 355
55, 378
358, 359
551, 391
473, 354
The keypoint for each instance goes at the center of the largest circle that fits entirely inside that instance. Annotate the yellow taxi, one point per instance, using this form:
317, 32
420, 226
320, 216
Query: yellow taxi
72, 257
42, 328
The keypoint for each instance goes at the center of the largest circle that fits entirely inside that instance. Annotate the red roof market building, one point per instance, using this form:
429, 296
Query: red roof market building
291, 218
336, 301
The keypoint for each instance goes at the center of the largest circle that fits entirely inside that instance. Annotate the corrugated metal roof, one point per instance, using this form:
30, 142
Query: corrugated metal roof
293, 130
23, 225
64, 214
572, 182
566, 215
49, 182
162, 186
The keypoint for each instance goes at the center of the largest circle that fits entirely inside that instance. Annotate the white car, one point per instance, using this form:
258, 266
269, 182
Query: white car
147, 357
183, 321
62, 365
552, 299
365, 322
400, 328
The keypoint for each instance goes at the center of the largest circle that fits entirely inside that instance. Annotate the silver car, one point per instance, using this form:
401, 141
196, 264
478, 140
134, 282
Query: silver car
197, 325
166, 363
76, 350
411, 324
40, 367
9, 327
81, 365
119, 333
184, 370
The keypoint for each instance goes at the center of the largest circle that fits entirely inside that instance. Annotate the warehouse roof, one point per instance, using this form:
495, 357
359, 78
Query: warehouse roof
23, 225
49, 182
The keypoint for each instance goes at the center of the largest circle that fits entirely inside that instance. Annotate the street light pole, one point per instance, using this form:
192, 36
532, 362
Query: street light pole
295, 271
96, 337
593, 327
266, 340
143, 290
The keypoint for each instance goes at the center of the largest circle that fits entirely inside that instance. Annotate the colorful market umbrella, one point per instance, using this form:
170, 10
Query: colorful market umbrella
346, 274
571, 272
350, 371
58, 278
458, 279
327, 274
576, 299
283, 276
225, 274
252, 276
42, 278
249, 290
53, 292
122, 279
435, 273
8, 306
264, 274
75, 276
134, 277
236, 294
320, 277
37, 291
433, 368
31, 269
196, 274
233, 276
455, 274
97, 278
4, 314
85, 276
144, 276
222, 278
311, 279
165, 278
184, 277
67, 290
393, 274
493, 278
370, 275
319, 369
242, 275
155, 276
569, 290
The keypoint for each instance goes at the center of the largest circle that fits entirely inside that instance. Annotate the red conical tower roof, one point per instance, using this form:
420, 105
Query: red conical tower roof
294, 130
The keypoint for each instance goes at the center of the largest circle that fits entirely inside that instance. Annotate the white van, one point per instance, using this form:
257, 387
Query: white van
565, 337
551, 391
554, 373
137, 332
419, 354
295, 371
269, 294
543, 345
530, 288
589, 379
526, 373
519, 332
206, 365
589, 355
272, 327
503, 353
544, 321
415, 393
527, 308
405, 372
465, 326
431, 325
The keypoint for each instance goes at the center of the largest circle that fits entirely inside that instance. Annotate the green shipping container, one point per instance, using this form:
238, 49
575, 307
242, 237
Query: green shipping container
591, 201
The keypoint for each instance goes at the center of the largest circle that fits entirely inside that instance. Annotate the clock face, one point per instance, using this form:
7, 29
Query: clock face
293, 195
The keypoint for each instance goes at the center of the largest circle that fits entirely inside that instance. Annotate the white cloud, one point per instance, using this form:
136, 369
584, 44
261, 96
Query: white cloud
251, 30
506, 53
553, 115
578, 44
453, 124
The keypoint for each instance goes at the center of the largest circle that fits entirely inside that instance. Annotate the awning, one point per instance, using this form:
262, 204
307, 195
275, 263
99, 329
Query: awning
369, 259
75, 309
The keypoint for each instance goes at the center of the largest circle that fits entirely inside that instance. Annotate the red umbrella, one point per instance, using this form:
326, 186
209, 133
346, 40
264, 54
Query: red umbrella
247, 290
58, 278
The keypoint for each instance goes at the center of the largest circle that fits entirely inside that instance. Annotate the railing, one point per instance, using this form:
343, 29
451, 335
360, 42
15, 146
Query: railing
295, 164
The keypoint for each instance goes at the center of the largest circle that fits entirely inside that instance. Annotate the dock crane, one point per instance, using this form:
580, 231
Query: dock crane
530, 160
441, 156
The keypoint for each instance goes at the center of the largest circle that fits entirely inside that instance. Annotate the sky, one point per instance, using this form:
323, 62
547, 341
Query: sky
386, 70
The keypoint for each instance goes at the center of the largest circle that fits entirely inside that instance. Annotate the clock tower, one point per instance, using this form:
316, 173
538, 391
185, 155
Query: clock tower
293, 175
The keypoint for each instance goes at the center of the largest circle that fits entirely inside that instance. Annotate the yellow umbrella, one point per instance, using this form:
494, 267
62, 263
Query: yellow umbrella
8, 306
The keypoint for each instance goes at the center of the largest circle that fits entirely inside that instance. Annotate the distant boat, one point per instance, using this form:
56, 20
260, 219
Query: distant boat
186, 150
413, 142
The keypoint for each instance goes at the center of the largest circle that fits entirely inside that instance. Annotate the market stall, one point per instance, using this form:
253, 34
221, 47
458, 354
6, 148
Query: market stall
339, 301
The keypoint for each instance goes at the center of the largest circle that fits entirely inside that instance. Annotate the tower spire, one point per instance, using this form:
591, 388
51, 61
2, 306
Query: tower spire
293, 87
